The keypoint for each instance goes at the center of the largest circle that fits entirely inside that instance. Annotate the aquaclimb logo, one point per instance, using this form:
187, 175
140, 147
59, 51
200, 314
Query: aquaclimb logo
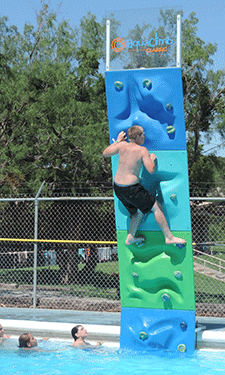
118, 44
155, 44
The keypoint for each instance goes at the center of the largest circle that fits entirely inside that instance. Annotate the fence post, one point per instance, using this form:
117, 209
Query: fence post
35, 246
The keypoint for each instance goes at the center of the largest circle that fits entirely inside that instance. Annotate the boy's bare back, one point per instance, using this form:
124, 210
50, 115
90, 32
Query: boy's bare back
130, 163
131, 157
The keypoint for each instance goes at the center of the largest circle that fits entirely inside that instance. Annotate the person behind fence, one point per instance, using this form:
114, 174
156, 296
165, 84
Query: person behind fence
28, 341
79, 333
136, 199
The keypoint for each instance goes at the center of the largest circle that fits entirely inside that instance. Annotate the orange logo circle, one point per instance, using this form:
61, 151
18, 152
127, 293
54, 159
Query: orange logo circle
118, 44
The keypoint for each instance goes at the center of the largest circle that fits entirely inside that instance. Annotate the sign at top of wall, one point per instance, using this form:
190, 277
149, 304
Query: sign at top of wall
155, 44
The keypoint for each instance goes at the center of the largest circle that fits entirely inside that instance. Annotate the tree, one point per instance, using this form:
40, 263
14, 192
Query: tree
204, 99
53, 104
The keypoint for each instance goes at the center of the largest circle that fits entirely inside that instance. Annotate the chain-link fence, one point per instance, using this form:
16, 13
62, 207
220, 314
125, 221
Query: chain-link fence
85, 275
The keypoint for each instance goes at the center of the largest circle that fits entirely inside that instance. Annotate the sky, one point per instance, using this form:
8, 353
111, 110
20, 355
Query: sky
211, 15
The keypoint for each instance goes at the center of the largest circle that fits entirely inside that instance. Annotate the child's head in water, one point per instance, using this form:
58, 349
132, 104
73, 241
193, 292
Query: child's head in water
26, 340
78, 332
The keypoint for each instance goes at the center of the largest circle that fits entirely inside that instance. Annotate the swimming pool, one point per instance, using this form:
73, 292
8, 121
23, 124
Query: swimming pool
103, 361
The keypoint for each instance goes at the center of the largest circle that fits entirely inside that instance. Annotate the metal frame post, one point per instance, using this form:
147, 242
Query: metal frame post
108, 45
179, 47
35, 246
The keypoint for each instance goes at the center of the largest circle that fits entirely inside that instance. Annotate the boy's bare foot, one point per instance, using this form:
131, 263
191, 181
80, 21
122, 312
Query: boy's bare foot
139, 241
175, 240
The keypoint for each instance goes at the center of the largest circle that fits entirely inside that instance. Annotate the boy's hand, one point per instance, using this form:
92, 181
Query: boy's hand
121, 136
153, 157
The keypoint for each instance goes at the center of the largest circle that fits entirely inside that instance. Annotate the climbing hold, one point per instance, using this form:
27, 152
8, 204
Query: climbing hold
183, 326
169, 107
178, 274
134, 274
165, 297
143, 335
170, 129
182, 348
180, 245
141, 241
147, 83
173, 197
118, 86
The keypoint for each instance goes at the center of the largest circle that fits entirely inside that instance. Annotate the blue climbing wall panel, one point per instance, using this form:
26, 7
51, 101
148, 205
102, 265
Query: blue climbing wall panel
145, 330
156, 280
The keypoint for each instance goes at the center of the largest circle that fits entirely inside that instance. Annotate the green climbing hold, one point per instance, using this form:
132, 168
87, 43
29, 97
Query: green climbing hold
147, 83
143, 335
182, 348
170, 129
118, 85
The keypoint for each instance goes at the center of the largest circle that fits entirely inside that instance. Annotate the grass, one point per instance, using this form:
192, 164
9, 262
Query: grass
207, 290
112, 267
98, 284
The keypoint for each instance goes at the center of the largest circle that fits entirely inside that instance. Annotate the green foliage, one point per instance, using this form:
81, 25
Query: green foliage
204, 99
53, 107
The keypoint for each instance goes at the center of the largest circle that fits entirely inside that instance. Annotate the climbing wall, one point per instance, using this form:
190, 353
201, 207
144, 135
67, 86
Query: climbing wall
156, 280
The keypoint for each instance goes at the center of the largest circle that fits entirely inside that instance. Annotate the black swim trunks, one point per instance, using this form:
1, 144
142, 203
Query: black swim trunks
135, 197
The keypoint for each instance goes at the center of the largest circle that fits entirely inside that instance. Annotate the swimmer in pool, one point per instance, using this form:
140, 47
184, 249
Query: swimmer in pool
79, 333
28, 341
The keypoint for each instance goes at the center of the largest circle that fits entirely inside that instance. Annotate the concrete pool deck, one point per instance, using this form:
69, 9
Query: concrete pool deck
103, 326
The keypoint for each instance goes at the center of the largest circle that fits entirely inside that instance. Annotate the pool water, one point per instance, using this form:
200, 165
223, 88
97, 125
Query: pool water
104, 360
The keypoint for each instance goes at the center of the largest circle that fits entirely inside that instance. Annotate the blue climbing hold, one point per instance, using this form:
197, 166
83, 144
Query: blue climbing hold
143, 336
147, 83
165, 297
183, 326
178, 274
169, 107
180, 245
118, 85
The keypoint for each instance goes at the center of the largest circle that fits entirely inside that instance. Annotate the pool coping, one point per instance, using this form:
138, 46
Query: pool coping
210, 331
60, 330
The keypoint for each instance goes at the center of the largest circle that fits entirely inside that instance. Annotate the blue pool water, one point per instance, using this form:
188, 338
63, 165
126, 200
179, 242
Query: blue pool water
103, 361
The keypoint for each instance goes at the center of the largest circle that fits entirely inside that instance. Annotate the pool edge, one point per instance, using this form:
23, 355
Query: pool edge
205, 339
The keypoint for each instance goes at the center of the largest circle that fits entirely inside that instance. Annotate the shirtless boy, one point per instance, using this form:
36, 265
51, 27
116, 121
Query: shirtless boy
137, 200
